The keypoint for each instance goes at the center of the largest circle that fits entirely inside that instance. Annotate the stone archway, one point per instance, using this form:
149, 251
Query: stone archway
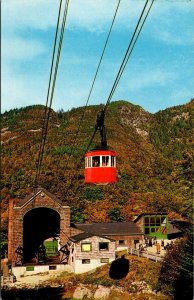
39, 224
35, 218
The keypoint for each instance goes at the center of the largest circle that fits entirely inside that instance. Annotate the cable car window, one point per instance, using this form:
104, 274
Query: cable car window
105, 161
113, 161
96, 161
89, 162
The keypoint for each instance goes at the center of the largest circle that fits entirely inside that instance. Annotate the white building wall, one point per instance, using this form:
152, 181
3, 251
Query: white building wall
82, 268
120, 248
22, 270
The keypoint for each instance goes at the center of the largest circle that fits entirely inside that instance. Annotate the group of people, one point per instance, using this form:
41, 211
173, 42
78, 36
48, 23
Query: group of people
152, 241
96, 163
104, 161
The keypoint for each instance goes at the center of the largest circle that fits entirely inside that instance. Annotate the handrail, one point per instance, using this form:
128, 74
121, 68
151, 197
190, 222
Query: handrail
149, 255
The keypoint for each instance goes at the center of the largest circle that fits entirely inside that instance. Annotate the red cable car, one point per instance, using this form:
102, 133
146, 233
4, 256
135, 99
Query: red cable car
100, 166
100, 163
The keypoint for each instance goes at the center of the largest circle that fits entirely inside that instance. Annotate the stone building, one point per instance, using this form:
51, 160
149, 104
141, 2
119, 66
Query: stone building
89, 251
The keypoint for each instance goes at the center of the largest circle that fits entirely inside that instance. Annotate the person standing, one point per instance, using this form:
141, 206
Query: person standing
158, 247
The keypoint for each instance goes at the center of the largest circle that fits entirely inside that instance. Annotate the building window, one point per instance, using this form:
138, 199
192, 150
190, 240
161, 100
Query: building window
103, 246
86, 247
52, 267
152, 221
85, 261
121, 242
156, 225
104, 260
147, 221
158, 221
30, 268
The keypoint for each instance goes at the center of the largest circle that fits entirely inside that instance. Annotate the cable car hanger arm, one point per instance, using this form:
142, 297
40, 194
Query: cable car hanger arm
100, 126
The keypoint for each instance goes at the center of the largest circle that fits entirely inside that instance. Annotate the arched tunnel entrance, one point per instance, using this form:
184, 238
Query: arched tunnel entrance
39, 224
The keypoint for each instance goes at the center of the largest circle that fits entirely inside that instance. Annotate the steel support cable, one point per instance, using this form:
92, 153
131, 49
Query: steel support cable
46, 125
53, 87
48, 92
54, 80
128, 52
125, 60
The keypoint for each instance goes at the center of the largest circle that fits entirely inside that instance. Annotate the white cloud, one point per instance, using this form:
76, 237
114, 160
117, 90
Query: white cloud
29, 13
172, 22
21, 90
86, 14
20, 93
21, 49
136, 82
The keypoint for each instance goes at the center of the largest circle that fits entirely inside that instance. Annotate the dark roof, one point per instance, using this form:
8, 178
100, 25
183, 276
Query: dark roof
80, 236
178, 226
118, 228
84, 235
182, 224
34, 194
172, 229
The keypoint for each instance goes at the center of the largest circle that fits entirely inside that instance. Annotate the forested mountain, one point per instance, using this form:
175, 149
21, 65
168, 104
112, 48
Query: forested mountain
154, 159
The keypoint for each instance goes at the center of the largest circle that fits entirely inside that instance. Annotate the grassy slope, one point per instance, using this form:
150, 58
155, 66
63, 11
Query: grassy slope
140, 282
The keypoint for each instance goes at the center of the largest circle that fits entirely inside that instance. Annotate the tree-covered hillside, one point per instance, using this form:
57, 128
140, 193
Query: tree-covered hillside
154, 160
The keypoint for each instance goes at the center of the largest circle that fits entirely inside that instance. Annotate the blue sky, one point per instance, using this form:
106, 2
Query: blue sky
159, 73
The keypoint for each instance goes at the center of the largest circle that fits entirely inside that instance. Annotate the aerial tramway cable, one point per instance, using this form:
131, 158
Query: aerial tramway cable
48, 92
129, 51
124, 62
47, 114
